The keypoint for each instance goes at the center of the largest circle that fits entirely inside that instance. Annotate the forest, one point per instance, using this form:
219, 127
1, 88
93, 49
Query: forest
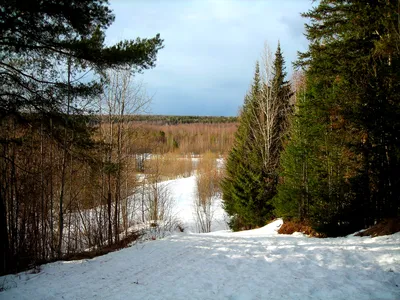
322, 150
81, 163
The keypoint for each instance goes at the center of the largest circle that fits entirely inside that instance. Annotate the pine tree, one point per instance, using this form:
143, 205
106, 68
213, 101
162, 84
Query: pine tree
38, 39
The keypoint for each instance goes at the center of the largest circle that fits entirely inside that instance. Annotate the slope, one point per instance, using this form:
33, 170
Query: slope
257, 264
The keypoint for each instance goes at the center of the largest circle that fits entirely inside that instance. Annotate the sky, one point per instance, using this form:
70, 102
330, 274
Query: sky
210, 48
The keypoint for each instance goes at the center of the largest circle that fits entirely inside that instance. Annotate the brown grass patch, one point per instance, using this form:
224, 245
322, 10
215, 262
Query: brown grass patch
385, 227
169, 166
290, 227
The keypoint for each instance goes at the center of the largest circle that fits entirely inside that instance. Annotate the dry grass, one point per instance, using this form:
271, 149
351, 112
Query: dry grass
182, 138
169, 166
290, 227
208, 179
385, 227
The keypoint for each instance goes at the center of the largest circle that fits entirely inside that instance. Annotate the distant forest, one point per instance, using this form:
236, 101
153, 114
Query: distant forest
174, 120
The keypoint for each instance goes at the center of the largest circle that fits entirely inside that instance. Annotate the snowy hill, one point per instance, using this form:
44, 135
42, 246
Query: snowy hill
256, 264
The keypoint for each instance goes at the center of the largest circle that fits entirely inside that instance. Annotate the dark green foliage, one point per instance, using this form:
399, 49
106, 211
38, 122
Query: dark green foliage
294, 192
111, 168
175, 144
281, 94
346, 133
38, 39
241, 184
244, 186
314, 186
252, 166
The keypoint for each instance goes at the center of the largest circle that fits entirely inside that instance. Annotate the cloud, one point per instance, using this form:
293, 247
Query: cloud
210, 47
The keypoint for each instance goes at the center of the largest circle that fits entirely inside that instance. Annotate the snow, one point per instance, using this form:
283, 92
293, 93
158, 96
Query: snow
256, 264
183, 192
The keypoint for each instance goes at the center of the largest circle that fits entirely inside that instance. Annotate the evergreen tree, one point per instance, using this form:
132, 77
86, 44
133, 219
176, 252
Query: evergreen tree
294, 192
352, 97
252, 165
281, 93
313, 163
39, 39
241, 193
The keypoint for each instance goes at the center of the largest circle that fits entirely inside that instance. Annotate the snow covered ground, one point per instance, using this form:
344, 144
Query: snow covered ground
256, 264
183, 193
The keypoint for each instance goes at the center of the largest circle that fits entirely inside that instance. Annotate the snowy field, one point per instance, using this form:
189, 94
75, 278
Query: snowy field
256, 264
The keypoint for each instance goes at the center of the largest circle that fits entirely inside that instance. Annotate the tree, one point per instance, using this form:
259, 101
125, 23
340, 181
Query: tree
207, 187
52, 63
251, 178
352, 94
297, 164
282, 92
122, 96
38, 38
238, 196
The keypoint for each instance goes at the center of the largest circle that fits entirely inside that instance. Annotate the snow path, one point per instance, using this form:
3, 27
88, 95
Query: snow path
257, 264
183, 193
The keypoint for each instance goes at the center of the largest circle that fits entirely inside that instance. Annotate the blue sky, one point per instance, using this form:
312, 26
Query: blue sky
211, 47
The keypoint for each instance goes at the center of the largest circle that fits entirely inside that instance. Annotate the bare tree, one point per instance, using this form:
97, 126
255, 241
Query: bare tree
64, 166
158, 203
207, 189
269, 114
122, 97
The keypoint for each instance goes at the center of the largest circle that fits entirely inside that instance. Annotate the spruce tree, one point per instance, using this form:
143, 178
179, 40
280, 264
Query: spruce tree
241, 193
281, 93
352, 75
292, 201
252, 165
367, 73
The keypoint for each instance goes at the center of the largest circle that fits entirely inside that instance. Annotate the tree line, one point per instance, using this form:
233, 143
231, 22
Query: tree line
183, 139
329, 156
175, 120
